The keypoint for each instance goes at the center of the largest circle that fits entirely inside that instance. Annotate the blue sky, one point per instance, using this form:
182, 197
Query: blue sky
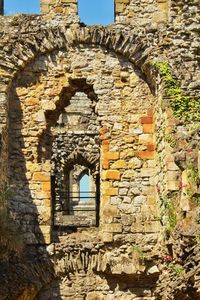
90, 11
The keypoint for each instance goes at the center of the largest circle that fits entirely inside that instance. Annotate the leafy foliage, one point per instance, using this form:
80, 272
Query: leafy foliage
184, 107
177, 269
169, 210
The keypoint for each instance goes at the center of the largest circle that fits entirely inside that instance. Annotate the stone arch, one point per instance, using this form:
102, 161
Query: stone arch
75, 85
24, 50
51, 116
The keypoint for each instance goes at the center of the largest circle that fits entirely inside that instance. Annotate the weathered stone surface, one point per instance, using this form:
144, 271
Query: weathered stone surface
77, 99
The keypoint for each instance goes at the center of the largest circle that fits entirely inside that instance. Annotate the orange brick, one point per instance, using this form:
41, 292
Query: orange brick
148, 128
146, 120
105, 164
105, 145
146, 154
111, 155
111, 174
38, 176
151, 147
103, 130
46, 186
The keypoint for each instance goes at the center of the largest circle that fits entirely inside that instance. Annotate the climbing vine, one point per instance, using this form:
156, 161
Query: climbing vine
184, 107
169, 211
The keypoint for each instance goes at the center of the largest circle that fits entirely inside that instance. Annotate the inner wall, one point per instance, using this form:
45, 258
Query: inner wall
118, 99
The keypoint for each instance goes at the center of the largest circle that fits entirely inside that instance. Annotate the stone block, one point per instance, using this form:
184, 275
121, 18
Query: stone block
40, 176
146, 120
105, 185
151, 147
139, 200
32, 102
123, 191
147, 172
128, 208
172, 185
46, 186
134, 163
33, 167
152, 227
119, 164
172, 175
119, 8
111, 175
171, 166
127, 153
110, 192
129, 174
47, 203
112, 228
111, 155
146, 154
148, 128
106, 237
104, 200
115, 200
42, 194
105, 164
153, 270
146, 139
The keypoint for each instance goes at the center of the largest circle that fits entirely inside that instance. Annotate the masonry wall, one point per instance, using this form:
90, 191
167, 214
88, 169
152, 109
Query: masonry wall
46, 60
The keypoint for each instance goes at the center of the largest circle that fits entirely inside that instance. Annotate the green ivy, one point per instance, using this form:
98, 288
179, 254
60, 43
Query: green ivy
169, 210
170, 140
193, 173
177, 269
198, 219
184, 107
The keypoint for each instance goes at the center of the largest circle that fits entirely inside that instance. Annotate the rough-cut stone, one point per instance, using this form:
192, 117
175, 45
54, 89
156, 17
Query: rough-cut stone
80, 100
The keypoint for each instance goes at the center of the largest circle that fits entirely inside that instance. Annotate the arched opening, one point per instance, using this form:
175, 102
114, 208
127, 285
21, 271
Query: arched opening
96, 12
12, 7
84, 188
75, 156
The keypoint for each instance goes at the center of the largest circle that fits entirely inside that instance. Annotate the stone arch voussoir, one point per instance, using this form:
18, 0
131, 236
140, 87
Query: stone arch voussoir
24, 49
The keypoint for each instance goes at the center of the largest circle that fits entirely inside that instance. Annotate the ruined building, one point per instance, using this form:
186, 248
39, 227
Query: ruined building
99, 159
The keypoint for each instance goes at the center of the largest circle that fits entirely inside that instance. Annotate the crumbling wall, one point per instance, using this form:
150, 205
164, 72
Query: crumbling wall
147, 114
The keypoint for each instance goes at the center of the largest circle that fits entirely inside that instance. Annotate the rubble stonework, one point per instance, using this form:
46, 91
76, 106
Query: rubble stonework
121, 104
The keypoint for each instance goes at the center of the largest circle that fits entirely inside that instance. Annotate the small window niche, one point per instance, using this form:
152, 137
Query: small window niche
84, 189
96, 12
79, 197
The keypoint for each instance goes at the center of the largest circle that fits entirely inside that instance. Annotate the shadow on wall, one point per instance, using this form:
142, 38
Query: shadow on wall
25, 275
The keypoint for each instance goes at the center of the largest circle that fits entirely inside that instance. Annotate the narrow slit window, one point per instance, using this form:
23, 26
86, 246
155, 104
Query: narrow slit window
84, 188
99, 12
12, 7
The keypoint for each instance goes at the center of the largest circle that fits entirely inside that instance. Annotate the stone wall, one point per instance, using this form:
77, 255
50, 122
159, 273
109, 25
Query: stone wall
133, 74
142, 13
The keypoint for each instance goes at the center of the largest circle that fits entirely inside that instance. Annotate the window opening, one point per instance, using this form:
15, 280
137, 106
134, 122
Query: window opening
96, 11
12, 7
76, 200
75, 161
84, 185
